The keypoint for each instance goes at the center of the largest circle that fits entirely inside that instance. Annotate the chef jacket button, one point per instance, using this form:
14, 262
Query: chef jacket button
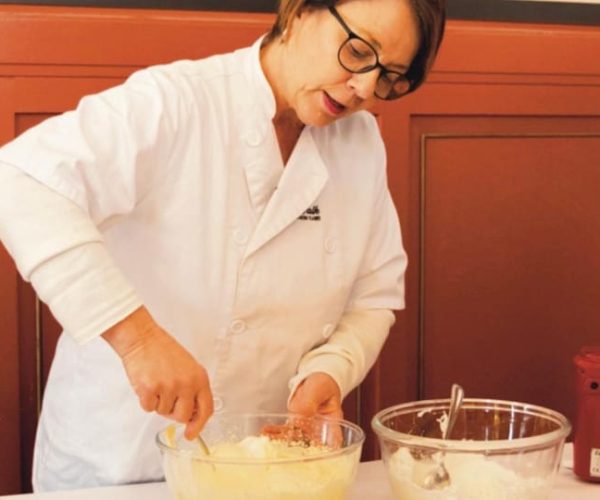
330, 245
327, 330
237, 326
253, 138
240, 237
217, 404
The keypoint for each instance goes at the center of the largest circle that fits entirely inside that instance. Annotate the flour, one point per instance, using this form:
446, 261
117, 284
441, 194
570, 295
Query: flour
473, 477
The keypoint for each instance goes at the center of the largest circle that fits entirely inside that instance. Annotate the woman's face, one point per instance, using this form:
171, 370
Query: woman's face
312, 81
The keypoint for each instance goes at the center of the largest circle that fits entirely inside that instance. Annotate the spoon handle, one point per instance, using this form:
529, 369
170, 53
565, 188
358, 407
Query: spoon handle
203, 445
456, 398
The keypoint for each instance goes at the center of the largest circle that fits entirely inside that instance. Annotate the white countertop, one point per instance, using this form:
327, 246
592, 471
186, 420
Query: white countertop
370, 483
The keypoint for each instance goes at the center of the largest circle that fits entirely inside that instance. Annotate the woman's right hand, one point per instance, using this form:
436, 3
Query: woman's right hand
165, 376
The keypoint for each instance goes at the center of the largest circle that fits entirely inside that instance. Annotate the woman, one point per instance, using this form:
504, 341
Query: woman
224, 226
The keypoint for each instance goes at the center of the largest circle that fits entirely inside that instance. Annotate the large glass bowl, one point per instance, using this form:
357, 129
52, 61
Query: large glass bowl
499, 450
263, 456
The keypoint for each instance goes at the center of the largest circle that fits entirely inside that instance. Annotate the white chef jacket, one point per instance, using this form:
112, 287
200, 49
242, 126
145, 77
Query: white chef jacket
260, 271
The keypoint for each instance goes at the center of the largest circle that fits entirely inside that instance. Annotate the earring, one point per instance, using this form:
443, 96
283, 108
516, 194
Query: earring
284, 35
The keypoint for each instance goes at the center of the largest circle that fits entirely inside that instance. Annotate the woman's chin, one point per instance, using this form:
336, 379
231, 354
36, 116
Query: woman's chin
319, 119
316, 115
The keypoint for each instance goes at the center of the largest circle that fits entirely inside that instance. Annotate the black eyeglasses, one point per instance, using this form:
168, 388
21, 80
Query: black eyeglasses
359, 56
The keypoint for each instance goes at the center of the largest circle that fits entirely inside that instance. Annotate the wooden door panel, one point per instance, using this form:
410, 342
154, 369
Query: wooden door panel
10, 412
511, 240
10, 368
100, 41
29, 375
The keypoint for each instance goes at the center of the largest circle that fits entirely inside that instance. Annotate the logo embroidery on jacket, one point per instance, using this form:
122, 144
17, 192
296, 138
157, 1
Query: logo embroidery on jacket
311, 213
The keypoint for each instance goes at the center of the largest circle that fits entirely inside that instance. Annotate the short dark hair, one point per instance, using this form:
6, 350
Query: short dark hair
431, 16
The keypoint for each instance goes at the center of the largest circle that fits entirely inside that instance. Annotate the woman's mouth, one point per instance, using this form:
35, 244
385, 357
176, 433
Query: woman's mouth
333, 107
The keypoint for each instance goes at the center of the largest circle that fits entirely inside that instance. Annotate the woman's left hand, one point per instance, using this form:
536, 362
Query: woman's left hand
318, 394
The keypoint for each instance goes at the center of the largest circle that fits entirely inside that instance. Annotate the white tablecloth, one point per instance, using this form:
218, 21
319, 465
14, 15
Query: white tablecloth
371, 484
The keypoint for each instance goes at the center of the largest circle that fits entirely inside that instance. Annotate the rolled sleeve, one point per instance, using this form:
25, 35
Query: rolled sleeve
350, 352
56, 246
85, 291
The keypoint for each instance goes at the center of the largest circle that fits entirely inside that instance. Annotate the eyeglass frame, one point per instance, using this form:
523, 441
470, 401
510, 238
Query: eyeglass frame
384, 71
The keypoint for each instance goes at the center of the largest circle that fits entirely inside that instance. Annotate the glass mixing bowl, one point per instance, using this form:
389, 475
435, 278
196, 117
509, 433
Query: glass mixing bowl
499, 450
263, 456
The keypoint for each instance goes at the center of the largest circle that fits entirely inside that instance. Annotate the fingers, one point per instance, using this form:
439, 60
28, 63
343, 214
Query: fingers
148, 401
295, 430
335, 435
202, 411
183, 409
335, 438
334, 410
317, 394
193, 411
303, 402
175, 404
308, 431
274, 431
166, 404
168, 380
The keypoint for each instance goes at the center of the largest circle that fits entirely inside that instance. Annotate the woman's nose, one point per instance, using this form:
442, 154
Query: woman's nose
364, 84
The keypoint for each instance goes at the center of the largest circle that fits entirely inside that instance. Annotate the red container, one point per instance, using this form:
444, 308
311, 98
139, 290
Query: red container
587, 424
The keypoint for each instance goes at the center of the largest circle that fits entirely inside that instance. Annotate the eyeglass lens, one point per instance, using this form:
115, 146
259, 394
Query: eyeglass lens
357, 56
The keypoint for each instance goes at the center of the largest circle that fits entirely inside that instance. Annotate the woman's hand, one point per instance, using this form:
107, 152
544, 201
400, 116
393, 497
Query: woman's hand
165, 377
318, 394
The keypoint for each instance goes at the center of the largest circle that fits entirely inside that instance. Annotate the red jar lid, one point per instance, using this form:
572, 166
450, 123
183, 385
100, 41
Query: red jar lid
588, 360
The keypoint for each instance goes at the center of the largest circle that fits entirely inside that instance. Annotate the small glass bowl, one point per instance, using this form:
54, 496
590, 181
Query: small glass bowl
499, 450
314, 458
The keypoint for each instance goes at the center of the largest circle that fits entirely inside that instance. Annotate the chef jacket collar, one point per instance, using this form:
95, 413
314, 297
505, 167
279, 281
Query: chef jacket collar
303, 178
301, 184
263, 94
